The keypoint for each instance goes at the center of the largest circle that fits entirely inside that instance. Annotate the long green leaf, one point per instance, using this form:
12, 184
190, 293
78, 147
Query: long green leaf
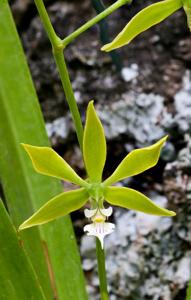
94, 145
51, 246
17, 278
136, 162
132, 199
57, 207
146, 18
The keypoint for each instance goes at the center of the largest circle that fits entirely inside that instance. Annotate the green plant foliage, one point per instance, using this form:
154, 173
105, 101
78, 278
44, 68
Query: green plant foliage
17, 278
48, 162
131, 199
94, 145
136, 162
142, 21
59, 206
25, 191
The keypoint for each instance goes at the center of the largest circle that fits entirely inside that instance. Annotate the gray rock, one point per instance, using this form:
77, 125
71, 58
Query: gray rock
59, 129
88, 247
135, 115
130, 73
182, 103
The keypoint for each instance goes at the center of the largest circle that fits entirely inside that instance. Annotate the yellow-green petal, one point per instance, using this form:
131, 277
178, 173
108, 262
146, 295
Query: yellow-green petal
137, 161
94, 145
187, 9
131, 199
57, 207
142, 21
47, 162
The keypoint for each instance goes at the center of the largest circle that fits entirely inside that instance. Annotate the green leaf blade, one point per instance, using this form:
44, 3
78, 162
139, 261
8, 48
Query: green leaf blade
57, 207
17, 277
94, 145
132, 199
137, 161
47, 162
142, 21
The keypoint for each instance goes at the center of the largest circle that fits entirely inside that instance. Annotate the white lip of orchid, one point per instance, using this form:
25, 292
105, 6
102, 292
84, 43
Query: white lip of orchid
99, 227
100, 230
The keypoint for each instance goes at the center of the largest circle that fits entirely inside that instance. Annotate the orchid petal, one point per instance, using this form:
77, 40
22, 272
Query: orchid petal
89, 212
131, 199
146, 18
107, 212
58, 206
187, 9
137, 161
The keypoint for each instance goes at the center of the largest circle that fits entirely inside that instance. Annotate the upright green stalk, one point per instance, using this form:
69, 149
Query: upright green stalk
58, 45
67, 86
60, 61
101, 271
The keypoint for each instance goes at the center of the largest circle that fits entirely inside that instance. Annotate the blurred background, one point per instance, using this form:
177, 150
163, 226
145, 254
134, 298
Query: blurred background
147, 97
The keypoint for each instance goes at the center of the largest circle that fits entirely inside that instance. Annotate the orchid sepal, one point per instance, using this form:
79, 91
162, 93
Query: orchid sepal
47, 162
57, 207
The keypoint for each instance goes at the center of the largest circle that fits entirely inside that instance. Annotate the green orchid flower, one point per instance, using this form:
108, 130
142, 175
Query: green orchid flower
146, 18
93, 190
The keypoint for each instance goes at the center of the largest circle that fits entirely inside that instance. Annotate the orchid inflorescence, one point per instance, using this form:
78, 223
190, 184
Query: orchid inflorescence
46, 161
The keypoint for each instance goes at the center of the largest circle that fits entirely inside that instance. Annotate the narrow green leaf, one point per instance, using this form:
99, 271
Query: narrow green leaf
52, 246
131, 199
142, 21
46, 161
17, 278
94, 145
137, 161
57, 207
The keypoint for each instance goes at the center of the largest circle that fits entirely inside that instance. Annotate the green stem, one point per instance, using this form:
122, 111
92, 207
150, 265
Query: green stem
67, 86
54, 39
63, 71
93, 21
101, 271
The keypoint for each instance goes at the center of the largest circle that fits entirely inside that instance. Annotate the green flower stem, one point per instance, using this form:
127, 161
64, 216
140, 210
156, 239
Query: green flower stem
63, 71
101, 271
54, 39
67, 86
94, 21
